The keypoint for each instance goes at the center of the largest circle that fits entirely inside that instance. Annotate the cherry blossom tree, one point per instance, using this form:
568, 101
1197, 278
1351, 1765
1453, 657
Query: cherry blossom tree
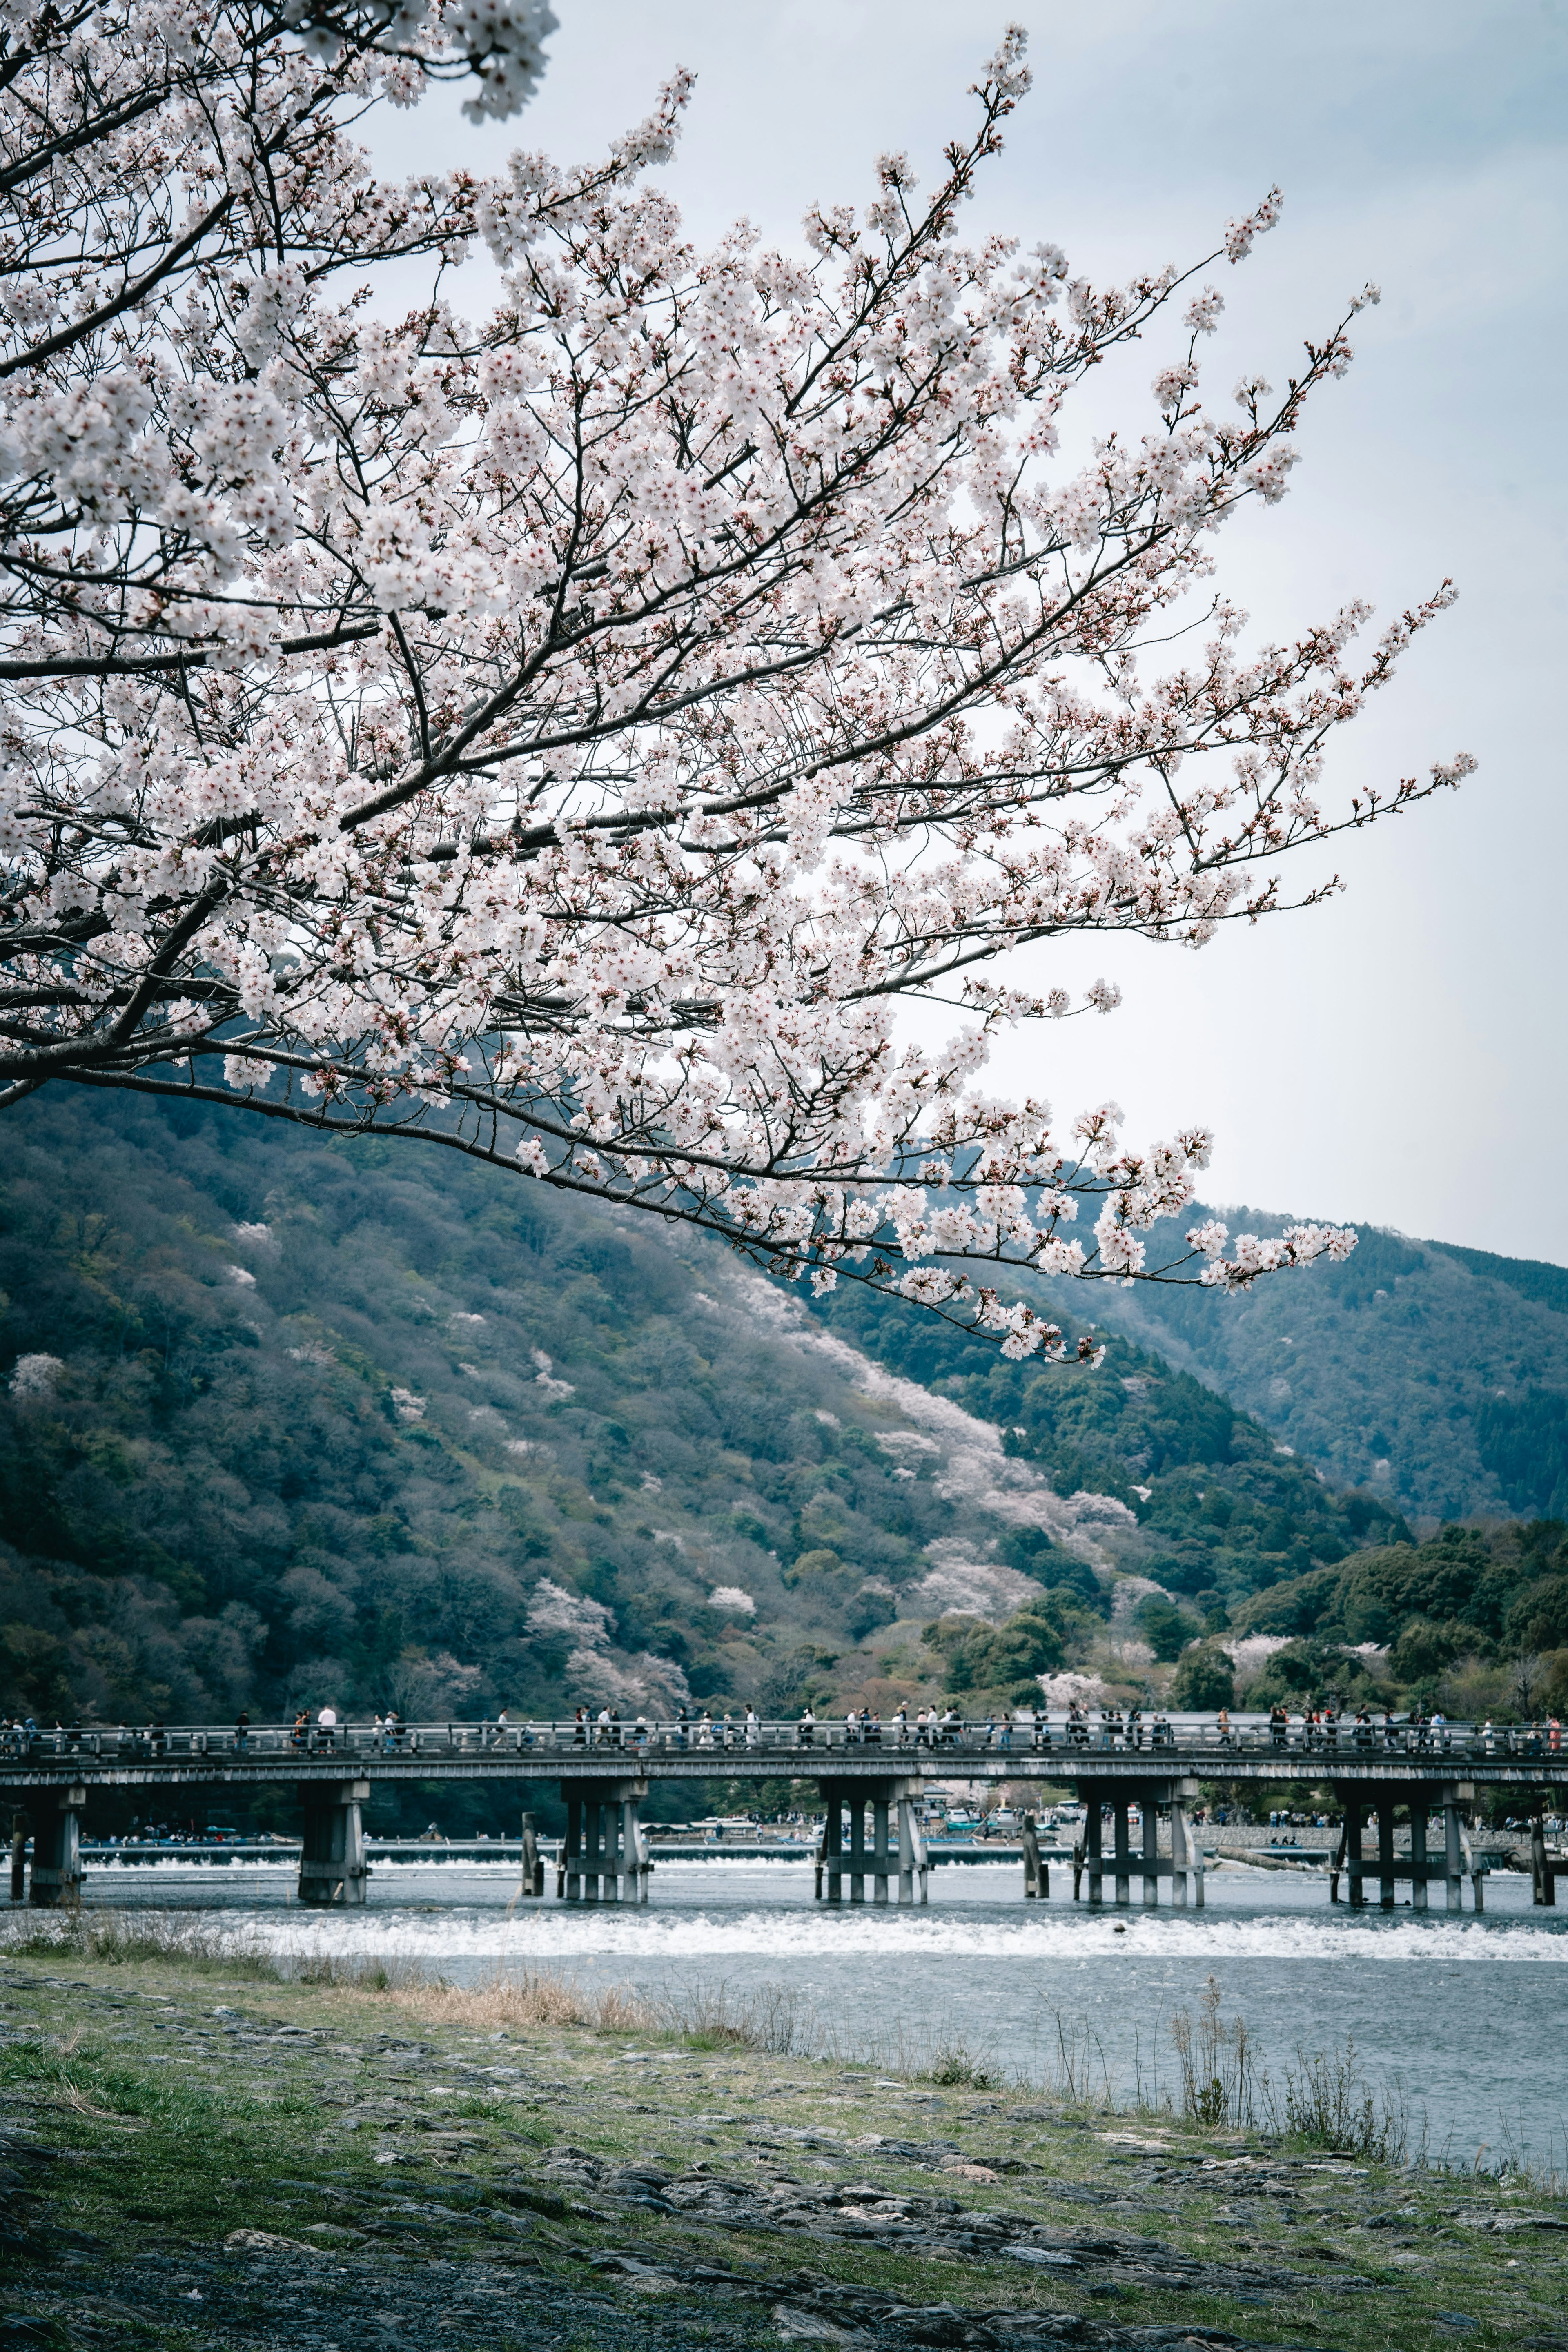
575, 739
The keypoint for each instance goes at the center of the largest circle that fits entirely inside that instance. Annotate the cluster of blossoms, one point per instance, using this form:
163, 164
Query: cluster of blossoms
573, 738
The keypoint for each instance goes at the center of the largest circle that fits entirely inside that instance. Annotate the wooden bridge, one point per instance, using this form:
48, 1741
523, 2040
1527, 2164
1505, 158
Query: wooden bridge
872, 1780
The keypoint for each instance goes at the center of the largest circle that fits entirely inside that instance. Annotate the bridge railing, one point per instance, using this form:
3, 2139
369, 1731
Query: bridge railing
1177, 1740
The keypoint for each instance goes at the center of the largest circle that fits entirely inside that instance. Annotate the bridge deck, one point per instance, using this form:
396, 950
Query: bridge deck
210, 1756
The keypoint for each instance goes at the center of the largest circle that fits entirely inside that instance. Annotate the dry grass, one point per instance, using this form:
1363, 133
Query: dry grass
120, 1939
770, 2020
503, 1999
1217, 2065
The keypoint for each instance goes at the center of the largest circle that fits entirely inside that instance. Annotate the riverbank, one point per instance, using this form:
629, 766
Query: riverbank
198, 2154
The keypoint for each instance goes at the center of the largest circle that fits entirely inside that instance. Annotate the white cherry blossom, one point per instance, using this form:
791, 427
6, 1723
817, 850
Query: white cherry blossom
573, 737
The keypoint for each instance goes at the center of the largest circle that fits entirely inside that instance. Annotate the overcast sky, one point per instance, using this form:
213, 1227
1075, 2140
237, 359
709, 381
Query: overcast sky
1396, 1058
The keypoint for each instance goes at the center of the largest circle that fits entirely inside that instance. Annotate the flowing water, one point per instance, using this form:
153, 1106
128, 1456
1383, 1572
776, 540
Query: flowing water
1465, 2014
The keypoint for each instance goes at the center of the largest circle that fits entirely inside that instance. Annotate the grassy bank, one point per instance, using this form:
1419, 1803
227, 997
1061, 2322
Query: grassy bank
203, 2151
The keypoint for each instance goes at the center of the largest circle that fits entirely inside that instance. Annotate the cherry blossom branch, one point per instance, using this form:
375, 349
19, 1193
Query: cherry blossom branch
567, 735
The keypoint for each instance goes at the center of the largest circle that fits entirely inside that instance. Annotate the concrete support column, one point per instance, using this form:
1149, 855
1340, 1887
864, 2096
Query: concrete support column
1544, 1881
1356, 1819
601, 1858
1418, 1849
913, 1865
1151, 1813
1187, 1854
331, 1858
892, 1809
57, 1848
1384, 1851
1037, 1876
21, 1831
1452, 1854
833, 1840
1477, 1876
1093, 1844
634, 1866
568, 1870
1118, 1832
532, 1882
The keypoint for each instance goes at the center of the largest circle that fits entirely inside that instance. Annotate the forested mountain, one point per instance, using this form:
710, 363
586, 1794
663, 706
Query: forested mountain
1304, 1592
1225, 1509
288, 1420
1436, 1375
285, 1420
292, 1421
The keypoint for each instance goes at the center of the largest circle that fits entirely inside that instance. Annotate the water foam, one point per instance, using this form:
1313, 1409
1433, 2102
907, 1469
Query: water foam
551, 1936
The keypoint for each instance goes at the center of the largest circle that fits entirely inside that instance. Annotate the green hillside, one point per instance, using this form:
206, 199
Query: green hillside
1435, 1375
1225, 1508
301, 1421
285, 1421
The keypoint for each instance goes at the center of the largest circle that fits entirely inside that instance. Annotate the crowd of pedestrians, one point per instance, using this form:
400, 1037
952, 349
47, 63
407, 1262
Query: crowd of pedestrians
1327, 1729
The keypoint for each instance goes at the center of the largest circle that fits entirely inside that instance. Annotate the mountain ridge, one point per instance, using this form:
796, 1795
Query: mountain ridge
1434, 1373
283, 1414
285, 1420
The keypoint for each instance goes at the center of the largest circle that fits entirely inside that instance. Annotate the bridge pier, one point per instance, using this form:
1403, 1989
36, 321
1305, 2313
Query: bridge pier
1542, 1877
602, 1858
532, 1881
1454, 1852
1037, 1871
21, 1831
57, 1850
331, 1857
1385, 1889
900, 1856
1422, 1799
1419, 1853
1185, 1868
1187, 1854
